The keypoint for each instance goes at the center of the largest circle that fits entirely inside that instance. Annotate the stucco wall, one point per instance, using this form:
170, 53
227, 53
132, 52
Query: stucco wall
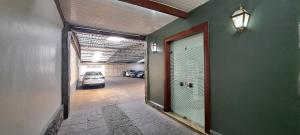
111, 69
254, 74
30, 65
74, 68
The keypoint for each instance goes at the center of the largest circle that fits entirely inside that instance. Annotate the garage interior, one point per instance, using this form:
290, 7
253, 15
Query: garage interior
97, 110
210, 67
102, 51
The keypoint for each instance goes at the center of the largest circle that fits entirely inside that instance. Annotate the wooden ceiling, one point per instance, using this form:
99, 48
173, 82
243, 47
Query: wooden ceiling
122, 16
160, 7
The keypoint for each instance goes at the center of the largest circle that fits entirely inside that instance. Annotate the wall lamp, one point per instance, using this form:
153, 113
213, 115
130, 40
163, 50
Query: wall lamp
240, 19
154, 47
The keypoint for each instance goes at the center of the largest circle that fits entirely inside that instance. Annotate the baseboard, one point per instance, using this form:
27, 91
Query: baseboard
212, 132
54, 123
155, 105
186, 123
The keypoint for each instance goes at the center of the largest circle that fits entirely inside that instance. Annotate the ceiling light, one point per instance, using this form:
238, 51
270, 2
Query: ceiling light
97, 56
141, 61
115, 39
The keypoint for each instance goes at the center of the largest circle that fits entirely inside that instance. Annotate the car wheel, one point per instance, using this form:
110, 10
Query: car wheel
102, 85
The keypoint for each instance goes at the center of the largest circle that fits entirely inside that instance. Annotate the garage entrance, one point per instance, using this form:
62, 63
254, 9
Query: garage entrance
103, 55
118, 107
107, 59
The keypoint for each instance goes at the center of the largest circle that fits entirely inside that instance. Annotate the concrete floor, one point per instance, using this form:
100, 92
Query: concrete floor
117, 109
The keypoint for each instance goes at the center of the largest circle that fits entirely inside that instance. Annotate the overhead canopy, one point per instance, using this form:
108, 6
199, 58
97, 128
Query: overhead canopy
120, 16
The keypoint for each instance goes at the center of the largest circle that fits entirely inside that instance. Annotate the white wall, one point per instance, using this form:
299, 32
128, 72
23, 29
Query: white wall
136, 67
74, 67
110, 69
30, 65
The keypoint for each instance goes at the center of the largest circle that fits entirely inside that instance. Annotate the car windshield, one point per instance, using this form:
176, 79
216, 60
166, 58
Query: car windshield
93, 73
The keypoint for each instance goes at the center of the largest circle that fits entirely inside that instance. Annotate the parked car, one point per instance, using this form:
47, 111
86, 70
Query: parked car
93, 79
137, 74
140, 74
132, 74
129, 72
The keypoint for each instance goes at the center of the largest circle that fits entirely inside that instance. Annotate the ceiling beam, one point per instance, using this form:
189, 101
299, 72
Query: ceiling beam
104, 62
76, 44
57, 3
85, 29
158, 7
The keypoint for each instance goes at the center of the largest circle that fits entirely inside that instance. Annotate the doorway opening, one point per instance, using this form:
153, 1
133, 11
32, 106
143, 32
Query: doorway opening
187, 77
109, 69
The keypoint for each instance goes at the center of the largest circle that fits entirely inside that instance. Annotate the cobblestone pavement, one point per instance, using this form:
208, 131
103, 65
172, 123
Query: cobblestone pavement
118, 109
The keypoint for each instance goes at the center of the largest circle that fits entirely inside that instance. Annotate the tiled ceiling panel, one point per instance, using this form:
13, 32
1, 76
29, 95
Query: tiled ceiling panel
185, 5
120, 16
123, 51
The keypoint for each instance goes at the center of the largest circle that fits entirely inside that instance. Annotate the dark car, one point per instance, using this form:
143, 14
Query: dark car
136, 74
133, 74
129, 73
140, 74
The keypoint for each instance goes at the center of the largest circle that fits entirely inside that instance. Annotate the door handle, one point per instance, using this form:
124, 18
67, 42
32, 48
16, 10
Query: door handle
190, 85
181, 83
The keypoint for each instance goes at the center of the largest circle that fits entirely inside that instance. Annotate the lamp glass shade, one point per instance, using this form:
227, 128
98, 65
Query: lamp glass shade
247, 17
154, 47
240, 19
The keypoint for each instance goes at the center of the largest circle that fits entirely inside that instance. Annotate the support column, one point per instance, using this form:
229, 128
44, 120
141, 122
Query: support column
65, 79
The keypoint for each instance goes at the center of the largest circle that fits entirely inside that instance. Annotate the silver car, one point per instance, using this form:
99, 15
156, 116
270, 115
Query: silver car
93, 79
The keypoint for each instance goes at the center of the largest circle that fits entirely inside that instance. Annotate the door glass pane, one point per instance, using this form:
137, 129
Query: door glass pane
187, 68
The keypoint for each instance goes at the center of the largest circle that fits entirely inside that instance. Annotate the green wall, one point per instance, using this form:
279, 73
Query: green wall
254, 75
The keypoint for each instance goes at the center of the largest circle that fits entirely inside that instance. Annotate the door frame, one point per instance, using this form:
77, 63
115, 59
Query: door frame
201, 28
